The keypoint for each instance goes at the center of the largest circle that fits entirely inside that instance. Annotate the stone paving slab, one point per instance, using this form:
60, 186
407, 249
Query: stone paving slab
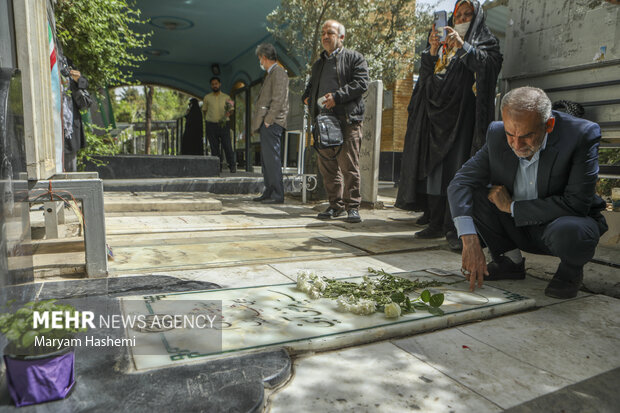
498, 377
598, 394
378, 241
608, 255
232, 277
510, 360
275, 219
373, 378
597, 278
213, 253
160, 201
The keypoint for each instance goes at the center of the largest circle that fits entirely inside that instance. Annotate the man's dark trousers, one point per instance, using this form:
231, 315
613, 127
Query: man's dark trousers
572, 239
270, 141
215, 135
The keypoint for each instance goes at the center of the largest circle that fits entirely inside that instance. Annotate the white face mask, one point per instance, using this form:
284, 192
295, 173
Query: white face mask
262, 67
461, 29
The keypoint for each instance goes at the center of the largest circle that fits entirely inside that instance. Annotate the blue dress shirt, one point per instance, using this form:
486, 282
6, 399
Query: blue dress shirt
525, 188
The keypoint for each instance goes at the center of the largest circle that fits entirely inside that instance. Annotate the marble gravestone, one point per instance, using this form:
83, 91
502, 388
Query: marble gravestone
371, 142
281, 316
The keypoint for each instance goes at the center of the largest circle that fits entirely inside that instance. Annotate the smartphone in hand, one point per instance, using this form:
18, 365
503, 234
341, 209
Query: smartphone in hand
441, 21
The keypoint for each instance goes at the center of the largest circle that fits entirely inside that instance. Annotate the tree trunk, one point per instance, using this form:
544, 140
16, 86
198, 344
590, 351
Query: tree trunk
148, 92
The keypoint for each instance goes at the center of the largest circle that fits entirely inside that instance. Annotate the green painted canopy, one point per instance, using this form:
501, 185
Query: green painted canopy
191, 36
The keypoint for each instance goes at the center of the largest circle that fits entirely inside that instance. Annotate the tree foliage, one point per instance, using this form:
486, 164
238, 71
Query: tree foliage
383, 30
97, 36
130, 106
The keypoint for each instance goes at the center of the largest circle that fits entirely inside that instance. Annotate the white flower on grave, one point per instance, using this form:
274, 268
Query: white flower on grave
314, 294
351, 305
344, 303
320, 284
302, 278
304, 286
365, 307
311, 284
392, 310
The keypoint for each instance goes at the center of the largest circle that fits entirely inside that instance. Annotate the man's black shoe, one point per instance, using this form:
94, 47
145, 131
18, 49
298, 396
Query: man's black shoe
260, 198
429, 233
353, 216
505, 269
272, 201
565, 283
424, 219
330, 213
454, 241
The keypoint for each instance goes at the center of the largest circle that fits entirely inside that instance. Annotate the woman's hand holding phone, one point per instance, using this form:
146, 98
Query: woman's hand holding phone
433, 39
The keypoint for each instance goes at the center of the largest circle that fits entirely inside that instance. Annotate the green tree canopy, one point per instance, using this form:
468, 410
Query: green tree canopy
96, 35
130, 105
383, 30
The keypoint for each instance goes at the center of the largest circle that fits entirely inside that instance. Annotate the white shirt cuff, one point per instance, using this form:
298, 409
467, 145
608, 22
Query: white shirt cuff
464, 225
512, 209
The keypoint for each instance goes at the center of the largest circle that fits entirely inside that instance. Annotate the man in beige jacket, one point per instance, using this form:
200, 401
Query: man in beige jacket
269, 119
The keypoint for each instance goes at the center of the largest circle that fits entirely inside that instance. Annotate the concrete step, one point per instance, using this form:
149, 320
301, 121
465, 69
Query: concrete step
159, 202
227, 185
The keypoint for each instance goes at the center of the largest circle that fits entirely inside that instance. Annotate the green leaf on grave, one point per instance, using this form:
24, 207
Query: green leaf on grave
436, 300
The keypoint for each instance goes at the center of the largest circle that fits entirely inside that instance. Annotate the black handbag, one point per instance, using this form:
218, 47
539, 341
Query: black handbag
327, 133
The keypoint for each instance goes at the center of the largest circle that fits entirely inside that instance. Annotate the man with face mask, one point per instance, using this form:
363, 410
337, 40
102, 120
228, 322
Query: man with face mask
450, 108
269, 119
216, 113
530, 188
338, 81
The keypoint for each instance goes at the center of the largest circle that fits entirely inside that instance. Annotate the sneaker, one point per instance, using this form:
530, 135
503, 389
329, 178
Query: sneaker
565, 283
504, 269
454, 242
261, 198
330, 213
429, 233
353, 216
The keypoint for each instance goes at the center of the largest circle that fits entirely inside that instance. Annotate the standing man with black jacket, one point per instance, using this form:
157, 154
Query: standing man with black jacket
338, 81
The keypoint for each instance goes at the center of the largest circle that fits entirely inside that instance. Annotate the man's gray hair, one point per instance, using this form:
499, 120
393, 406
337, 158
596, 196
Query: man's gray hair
340, 26
267, 50
528, 99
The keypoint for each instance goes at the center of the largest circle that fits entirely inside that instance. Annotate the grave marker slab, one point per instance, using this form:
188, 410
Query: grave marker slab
275, 316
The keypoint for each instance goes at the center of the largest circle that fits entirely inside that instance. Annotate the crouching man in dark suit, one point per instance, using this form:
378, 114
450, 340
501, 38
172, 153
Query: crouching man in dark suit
530, 188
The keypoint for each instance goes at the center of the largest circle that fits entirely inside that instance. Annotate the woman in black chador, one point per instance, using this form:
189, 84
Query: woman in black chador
449, 112
191, 143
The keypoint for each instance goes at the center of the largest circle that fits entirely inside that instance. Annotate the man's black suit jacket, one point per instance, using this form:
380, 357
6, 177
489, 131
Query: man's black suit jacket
567, 174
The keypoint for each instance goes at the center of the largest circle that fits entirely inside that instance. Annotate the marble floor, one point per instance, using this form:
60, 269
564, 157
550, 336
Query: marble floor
492, 359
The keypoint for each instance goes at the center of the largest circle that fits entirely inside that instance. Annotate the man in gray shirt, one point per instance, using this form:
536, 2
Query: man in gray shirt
269, 119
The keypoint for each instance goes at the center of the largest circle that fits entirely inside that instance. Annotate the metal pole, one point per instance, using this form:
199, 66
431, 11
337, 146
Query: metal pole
301, 164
